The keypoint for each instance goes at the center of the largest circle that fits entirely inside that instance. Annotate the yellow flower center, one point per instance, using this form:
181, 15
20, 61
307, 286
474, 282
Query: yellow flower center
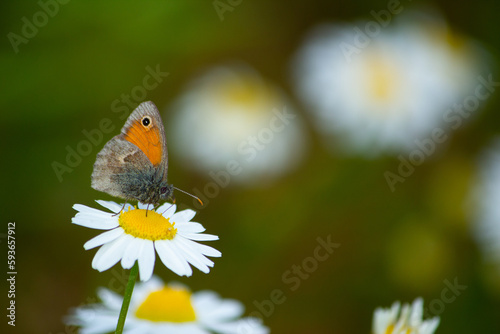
391, 328
152, 226
244, 91
382, 79
168, 305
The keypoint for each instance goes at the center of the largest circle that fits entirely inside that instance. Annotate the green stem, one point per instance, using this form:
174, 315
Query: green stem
126, 298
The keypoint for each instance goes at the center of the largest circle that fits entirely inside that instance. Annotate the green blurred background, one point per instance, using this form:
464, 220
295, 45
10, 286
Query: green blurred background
393, 246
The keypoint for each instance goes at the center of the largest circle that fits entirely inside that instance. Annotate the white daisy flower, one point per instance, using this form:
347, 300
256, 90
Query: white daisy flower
406, 320
159, 308
232, 120
379, 92
484, 204
132, 235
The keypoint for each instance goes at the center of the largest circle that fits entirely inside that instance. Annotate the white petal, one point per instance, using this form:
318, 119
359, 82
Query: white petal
245, 325
98, 224
417, 312
201, 257
430, 326
140, 329
98, 327
171, 260
191, 255
210, 306
94, 218
227, 309
170, 210
87, 209
144, 206
112, 206
180, 328
110, 299
131, 253
133, 326
403, 318
204, 249
129, 207
151, 285
205, 299
383, 318
190, 227
109, 254
164, 207
199, 236
93, 319
146, 260
183, 216
135, 330
103, 238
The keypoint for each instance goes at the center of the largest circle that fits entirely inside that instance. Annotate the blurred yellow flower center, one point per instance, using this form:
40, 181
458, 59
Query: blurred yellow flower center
391, 328
456, 42
167, 304
152, 227
382, 79
246, 91
241, 93
440, 34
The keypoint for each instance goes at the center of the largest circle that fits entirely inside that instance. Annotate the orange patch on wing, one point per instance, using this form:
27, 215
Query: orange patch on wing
148, 140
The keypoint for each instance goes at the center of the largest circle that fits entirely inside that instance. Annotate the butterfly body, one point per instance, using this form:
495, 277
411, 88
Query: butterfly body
133, 165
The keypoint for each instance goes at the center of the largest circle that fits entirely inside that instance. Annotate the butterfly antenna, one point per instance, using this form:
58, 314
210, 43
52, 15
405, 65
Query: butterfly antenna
193, 196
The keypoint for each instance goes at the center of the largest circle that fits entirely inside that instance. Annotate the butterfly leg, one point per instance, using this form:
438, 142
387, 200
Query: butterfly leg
168, 207
123, 207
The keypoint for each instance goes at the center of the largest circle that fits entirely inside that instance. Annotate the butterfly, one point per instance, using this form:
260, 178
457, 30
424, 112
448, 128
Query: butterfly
134, 164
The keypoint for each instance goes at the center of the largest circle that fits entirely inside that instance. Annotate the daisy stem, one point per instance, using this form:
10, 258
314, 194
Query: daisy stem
126, 298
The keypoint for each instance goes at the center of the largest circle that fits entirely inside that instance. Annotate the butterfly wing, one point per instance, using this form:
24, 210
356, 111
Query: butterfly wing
144, 129
128, 163
116, 165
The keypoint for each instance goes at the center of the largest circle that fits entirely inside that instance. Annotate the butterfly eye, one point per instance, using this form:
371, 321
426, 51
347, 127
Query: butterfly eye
163, 190
146, 121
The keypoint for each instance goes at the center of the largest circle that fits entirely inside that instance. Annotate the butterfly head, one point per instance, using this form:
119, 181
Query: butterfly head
151, 192
165, 192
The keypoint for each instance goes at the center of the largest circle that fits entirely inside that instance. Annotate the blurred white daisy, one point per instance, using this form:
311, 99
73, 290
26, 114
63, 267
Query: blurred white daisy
405, 320
232, 120
132, 235
373, 91
159, 308
484, 204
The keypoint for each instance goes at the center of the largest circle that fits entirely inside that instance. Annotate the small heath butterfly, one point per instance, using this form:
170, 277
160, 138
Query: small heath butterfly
133, 164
